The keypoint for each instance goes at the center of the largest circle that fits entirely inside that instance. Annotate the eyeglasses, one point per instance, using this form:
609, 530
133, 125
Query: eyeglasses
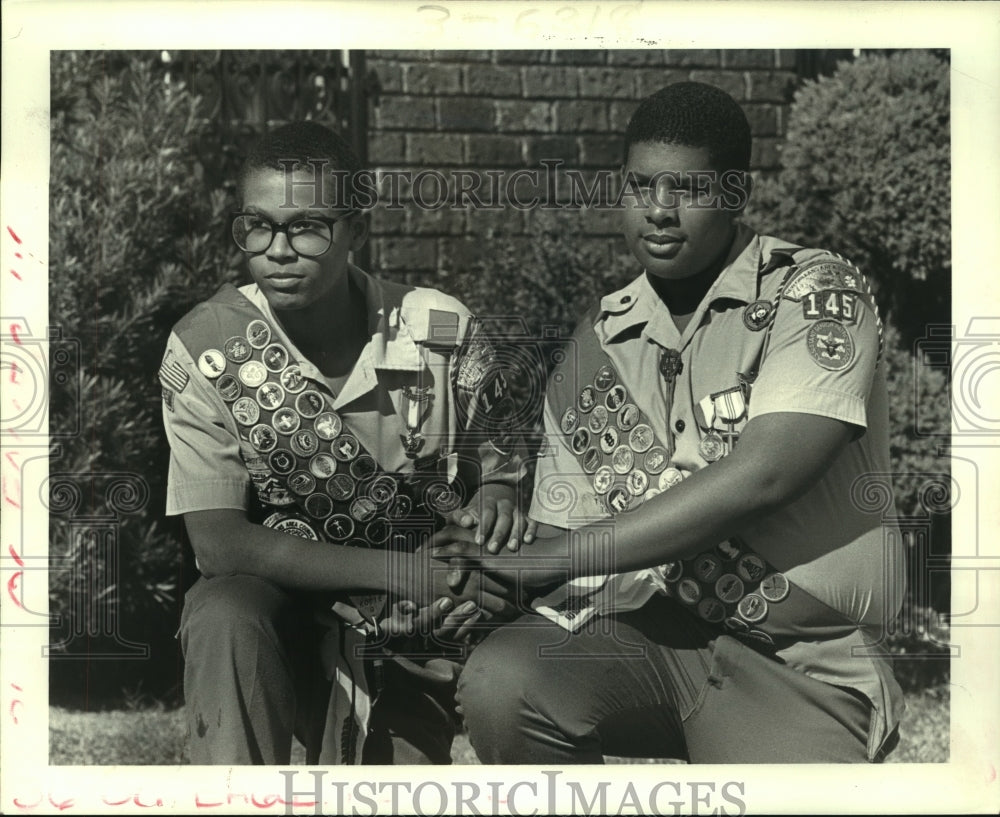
310, 236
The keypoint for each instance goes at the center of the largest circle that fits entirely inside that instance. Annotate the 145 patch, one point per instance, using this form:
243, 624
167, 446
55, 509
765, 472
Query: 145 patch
835, 304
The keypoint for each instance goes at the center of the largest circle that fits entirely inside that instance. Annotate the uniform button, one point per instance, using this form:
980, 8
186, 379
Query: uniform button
626, 299
680, 426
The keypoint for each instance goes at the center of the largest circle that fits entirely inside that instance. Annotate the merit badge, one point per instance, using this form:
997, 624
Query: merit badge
302, 483
400, 507
580, 441
587, 399
591, 460
622, 459
712, 446
237, 350
605, 378
830, 345
281, 461
340, 487
656, 459
712, 610
609, 440
751, 567
363, 467
618, 500
628, 417
760, 635
569, 420
729, 588
737, 625
378, 531
292, 380
286, 421
362, 509
637, 483
246, 411
604, 478
339, 527
323, 466
253, 373
328, 425
669, 478
211, 363
274, 494
309, 404
270, 396
616, 397
382, 490
345, 448
304, 442
296, 527
670, 365
758, 315
672, 571
319, 506
689, 591
258, 334
598, 420
229, 387
275, 357
263, 438
752, 608
727, 550
640, 438
707, 567
774, 588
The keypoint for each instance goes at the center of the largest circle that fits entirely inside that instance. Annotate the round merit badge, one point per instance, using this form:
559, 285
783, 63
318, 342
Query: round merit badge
729, 588
253, 373
400, 507
604, 478
263, 438
345, 448
258, 334
712, 610
616, 397
363, 467
211, 363
605, 378
286, 421
237, 349
752, 608
628, 417
707, 567
378, 531
275, 357
622, 459
281, 461
689, 591
609, 440
580, 440
618, 500
637, 483
382, 490
323, 465
569, 420
304, 442
292, 379
246, 411
339, 527
591, 460
656, 459
319, 506
640, 438
751, 568
228, 387
302, 483
774, 588
270, 396
309, 404
340, 487
830, 345
587, 399
598, 420
362, 509
328, 424
669, 478
757, 315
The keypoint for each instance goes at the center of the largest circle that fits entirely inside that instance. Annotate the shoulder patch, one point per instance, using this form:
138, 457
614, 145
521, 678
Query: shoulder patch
821, 274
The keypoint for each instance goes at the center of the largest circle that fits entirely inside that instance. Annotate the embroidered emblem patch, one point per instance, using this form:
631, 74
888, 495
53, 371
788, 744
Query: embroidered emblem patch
830, 345
758, 315
824, 273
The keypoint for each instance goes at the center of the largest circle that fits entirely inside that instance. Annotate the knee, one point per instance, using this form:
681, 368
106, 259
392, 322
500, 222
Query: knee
226, 604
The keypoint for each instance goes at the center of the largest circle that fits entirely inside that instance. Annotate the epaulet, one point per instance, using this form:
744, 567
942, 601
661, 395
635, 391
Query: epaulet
433, 318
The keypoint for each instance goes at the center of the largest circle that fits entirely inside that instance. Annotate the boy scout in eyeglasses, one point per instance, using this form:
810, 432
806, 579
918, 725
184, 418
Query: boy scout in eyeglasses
322, 424
714, 420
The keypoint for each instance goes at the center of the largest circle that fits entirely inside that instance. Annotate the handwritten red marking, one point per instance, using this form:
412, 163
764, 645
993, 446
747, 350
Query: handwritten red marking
6, 497
13, 235
158, 802
17, 687
17, 405
118, 803
199, 804
14, 371
63, 805
14, 273
19, 804
13, 332
21, 563
13, 705
12, 586
18, 255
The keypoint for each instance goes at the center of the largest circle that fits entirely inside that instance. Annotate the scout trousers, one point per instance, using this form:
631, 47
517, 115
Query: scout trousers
654, 682
253, 678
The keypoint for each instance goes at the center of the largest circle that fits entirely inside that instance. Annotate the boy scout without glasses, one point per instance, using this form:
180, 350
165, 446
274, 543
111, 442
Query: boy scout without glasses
712, 593
322, 425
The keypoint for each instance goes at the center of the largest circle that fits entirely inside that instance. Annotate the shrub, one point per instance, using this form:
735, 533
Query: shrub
136, 239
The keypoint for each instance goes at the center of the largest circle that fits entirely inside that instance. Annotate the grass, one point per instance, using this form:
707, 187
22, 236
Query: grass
157, 736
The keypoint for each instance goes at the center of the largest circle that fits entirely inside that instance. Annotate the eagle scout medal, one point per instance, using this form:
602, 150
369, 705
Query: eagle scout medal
275, 357
281, 461
345, 448
669, 478
304, 443
712, 446
830, 345
228, 387
622, 459
246, 411
309, 404
616, 397
604, 478
656, 459
729, 588
751, 568
774, 588
263, 438
270, 396
640, 438
598, 420
569, 421
286, 421
415, 401
292, 380
591, 460
752, 608
237, 349
628, 416
253, 373
328, 425
339, 527
258, 334
319, 506
637, 483
605, 378
340, 487
212, 363
758, 315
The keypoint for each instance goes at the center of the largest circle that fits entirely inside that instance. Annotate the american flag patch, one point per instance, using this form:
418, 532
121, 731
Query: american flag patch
172, 374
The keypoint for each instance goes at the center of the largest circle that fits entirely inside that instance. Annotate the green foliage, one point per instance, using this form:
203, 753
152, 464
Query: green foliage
866, 173
136, 239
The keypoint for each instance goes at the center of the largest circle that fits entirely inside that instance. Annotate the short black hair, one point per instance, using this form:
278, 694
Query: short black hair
697, 115
304, 144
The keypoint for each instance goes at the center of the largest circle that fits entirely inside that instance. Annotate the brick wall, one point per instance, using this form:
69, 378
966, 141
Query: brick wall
505, 110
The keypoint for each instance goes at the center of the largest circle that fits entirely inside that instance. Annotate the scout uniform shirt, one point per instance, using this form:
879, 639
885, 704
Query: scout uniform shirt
413, 403
782, 329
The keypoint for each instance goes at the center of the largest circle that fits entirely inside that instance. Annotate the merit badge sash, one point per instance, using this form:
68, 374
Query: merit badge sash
627, 462
313, 478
